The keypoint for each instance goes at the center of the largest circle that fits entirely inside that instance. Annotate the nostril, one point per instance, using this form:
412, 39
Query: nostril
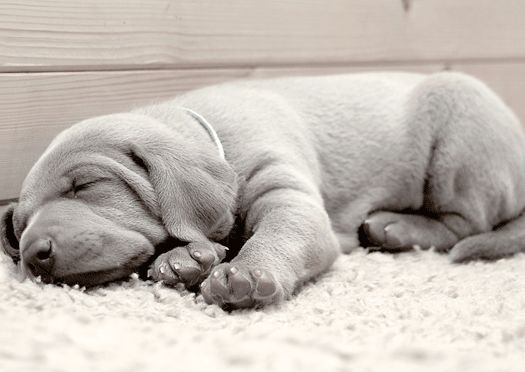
45, 251
39, 258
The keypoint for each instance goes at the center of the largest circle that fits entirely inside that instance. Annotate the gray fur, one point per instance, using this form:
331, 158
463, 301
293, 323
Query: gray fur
308, 160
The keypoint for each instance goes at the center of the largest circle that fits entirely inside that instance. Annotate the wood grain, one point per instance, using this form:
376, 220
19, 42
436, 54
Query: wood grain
35, 107
74, 35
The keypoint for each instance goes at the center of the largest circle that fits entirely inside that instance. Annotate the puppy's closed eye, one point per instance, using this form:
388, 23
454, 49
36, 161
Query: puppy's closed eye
80, 186
83, 186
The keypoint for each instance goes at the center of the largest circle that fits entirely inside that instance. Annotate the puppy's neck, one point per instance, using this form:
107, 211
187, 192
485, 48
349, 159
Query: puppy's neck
190, 125
208, 128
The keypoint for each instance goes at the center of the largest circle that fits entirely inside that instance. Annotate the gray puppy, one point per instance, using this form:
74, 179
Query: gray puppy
434, 161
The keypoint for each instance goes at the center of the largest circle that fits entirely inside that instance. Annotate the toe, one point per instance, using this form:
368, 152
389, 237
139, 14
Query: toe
189, 275
239, 283
206, 293
204, 256
162, 271
220, 250
264, 284
392, 238
184, 266
366, 227
375, 231
465, 251
218, 284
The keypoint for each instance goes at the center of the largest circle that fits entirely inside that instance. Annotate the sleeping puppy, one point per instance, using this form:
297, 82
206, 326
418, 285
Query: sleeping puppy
433, 161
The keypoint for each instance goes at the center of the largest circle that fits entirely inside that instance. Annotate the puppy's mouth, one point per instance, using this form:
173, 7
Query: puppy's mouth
89, 278
138, 264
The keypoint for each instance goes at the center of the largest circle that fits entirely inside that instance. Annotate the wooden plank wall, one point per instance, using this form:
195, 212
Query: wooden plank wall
65, 60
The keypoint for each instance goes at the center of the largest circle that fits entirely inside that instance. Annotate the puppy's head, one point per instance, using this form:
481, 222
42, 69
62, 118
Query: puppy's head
107, 192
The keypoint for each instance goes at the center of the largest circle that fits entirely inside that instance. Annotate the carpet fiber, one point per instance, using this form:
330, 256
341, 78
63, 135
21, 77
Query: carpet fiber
371, 312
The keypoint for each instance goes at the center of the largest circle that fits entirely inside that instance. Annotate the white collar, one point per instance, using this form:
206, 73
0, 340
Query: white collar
208, 128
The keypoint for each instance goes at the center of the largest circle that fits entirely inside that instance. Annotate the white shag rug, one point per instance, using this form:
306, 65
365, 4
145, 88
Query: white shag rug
371, 312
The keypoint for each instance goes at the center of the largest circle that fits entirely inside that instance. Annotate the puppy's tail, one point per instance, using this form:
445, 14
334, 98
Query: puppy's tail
505, 240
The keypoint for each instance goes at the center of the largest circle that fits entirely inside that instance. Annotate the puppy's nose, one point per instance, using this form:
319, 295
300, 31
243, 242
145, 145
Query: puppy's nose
38, 258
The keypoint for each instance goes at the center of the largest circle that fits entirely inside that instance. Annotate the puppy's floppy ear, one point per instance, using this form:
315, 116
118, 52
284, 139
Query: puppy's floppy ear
8, 237
196, 190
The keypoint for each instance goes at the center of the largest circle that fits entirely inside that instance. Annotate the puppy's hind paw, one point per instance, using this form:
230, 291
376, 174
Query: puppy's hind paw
389, 235
236, 286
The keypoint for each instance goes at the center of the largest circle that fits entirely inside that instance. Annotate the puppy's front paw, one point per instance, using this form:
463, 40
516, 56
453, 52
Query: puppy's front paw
189, 264
234, 285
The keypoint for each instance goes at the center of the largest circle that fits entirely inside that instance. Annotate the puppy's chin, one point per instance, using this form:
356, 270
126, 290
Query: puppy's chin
82, 279
93, 278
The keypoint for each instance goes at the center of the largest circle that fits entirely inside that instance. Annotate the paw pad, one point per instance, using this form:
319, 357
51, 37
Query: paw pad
238, 286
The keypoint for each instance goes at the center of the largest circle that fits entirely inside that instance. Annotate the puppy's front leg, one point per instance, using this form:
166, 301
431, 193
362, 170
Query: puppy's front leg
292, 242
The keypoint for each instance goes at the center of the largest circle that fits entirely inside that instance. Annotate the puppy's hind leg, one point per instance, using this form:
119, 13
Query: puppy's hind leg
400, 232
506, 240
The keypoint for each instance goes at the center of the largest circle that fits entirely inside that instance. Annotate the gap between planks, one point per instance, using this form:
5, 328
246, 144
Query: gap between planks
229, 66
